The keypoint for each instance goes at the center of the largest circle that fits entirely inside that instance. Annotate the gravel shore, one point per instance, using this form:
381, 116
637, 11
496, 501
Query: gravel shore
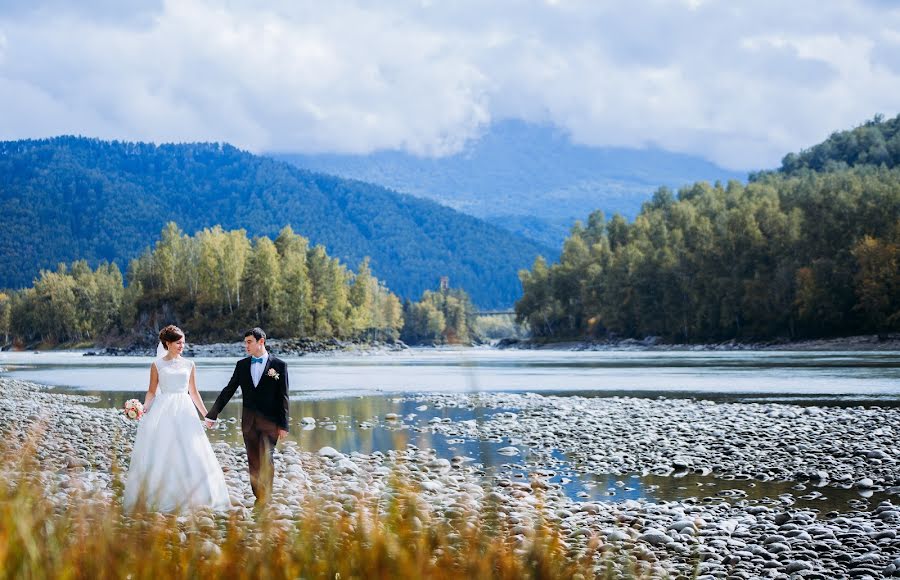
83, 449
850, 446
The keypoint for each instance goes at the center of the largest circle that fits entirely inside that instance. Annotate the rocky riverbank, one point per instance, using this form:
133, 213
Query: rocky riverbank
887, 342
279, 347
846, 446
83, 453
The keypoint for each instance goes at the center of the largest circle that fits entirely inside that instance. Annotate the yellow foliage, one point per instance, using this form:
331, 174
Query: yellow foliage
382, 538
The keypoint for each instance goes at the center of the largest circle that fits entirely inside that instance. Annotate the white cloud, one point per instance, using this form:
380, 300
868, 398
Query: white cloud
740, 83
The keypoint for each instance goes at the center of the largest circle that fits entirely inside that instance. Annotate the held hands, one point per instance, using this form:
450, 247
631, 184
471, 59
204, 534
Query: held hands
282, 434
209, 423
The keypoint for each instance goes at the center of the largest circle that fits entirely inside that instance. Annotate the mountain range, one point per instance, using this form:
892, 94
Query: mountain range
529, 179
68, 198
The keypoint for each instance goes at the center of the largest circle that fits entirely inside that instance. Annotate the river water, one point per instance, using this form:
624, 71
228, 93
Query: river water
341, 392
640, 373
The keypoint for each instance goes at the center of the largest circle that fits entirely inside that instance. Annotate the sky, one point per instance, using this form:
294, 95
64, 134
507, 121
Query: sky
740, 83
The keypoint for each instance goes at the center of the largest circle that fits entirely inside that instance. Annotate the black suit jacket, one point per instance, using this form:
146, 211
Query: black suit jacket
269, 397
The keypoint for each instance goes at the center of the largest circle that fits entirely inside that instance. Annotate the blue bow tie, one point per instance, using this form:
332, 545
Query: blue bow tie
254, 360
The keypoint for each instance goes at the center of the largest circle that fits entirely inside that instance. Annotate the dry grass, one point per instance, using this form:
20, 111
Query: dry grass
390, 537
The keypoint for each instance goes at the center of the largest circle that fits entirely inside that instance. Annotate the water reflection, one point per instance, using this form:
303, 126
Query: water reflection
347, 399
361, 424
701, 489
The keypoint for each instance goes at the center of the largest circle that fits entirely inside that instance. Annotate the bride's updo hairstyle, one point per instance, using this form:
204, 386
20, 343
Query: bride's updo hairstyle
169, 334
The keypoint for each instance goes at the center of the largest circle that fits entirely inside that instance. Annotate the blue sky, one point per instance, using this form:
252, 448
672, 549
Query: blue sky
739, 83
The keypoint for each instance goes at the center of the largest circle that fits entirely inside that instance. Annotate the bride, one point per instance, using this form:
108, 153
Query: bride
172, 464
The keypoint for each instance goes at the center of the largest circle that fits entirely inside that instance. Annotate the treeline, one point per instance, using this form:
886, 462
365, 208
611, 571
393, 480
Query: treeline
5, 310
805, 255
70, 198
68, 304
875, 142
445, 316
215, 283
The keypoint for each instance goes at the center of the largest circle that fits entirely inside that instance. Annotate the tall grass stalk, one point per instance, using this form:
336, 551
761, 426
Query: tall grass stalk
393, 536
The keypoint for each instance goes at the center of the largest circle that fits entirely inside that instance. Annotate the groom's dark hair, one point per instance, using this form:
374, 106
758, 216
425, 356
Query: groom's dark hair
257, 333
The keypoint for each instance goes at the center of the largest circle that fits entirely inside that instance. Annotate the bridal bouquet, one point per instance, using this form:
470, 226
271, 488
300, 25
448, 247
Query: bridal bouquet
133, 409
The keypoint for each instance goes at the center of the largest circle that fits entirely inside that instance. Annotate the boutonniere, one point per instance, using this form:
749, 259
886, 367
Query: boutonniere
272, 373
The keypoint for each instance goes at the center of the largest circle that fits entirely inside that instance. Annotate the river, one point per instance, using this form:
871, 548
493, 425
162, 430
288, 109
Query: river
349, 396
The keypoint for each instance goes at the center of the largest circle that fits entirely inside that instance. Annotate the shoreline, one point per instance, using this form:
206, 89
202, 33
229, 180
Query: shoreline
303, 347
277, 347
862, 343
744, 538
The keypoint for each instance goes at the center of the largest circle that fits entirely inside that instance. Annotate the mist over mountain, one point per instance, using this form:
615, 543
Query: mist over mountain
529, 179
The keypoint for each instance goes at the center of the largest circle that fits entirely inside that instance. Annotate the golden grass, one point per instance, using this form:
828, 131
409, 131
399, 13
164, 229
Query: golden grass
393, 536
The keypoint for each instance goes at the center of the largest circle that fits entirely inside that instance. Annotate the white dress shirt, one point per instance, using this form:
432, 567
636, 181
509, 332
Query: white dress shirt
256, 369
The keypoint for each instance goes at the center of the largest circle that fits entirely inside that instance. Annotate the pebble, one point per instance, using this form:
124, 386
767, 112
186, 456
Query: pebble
733, 539
330, 452
655, 537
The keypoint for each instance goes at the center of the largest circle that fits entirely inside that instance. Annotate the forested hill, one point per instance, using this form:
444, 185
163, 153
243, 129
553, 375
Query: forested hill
876, 142
812, 250
69, 198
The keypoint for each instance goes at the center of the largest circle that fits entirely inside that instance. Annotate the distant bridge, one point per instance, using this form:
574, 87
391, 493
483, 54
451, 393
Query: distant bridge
495, 312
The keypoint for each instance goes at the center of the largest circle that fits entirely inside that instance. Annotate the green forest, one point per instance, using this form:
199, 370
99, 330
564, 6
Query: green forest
445, 316
810, 250
70, 198
876, 142
218, 283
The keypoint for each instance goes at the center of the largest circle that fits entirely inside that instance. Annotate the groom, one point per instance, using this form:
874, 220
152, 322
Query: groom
264, 421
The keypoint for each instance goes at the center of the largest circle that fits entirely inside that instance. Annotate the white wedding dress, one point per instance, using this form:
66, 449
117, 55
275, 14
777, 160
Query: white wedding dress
173, 467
